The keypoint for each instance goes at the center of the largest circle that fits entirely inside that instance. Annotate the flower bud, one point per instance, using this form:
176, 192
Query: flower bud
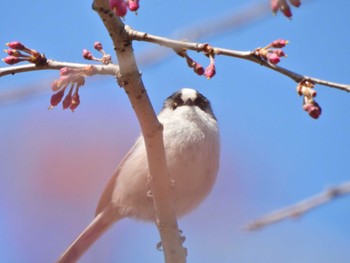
279, 43
273, 58
56, 98
68, 99
98, 46
198, 69
16, 45
87, 54
133, 5
313, 109
210, 71
12, 60
296, 3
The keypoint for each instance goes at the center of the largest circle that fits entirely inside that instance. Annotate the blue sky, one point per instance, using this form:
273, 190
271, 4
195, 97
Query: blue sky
54, 164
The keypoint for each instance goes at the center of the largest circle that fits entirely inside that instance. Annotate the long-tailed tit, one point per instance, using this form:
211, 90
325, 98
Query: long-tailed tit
192, 148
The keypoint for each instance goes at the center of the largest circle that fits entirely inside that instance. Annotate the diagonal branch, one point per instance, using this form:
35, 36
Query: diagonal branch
247, 55
300, 208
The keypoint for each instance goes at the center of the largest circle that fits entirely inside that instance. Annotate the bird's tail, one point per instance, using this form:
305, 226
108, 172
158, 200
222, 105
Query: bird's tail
91, 233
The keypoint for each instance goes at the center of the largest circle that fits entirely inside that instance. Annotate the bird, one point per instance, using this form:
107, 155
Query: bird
192, 149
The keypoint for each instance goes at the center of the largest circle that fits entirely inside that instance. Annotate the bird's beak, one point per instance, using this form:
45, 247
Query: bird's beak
189, 102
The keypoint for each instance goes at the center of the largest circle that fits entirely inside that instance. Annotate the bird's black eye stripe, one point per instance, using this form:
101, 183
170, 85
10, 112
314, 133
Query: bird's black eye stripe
177, 101
201, 102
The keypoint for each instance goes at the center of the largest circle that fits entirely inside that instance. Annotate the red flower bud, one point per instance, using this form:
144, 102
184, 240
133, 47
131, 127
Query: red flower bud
68, 99
119, 7
275, 5
273, 58
296, 3
13, 52
12, 60
16, 45
279, 52
279, 43
210, 71
133, 5
286, 11
313, 109
56, 98
87, 54
198, 69
75, 100
98, 46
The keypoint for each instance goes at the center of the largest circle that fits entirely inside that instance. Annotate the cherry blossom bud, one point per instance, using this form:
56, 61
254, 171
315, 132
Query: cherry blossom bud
13, 52
273, 58
210, 71
75, 100
98, 46
56, 98
296, 3
279, 43
12, 60
87, 54
286, 11
16, 45
275, 5
68, 99
198, 69
313, 109
119, 7
133, 5
279, 52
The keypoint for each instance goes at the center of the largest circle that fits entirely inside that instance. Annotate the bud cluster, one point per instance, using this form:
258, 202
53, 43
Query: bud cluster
305, 89
75, 78
15, 55
210, 70
272, 52
105, 59
283, 6
120, 7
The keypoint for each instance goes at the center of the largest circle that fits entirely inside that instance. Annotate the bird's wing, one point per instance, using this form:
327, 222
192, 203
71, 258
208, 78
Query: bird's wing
107, 194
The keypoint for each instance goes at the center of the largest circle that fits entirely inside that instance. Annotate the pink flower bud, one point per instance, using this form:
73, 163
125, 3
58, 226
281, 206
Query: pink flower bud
68, 99
275, 5
133, 5
98, 46
279, 43
75, 100
296, 3
87, 54
13, 52
210, 71
286, 11
313, 109
279, 52
12, 60
273, 58
16, 45
198, 69
56, 98
119, 7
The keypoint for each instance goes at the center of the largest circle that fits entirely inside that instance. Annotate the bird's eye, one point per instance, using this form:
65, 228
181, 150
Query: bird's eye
174, 105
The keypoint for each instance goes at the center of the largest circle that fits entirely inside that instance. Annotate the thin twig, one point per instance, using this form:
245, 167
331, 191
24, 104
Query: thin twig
247, 55
109, 69
300, 208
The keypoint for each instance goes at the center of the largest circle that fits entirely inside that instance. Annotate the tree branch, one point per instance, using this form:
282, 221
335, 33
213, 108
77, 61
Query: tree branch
247, 55
152, 130
300, 208
110, 69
